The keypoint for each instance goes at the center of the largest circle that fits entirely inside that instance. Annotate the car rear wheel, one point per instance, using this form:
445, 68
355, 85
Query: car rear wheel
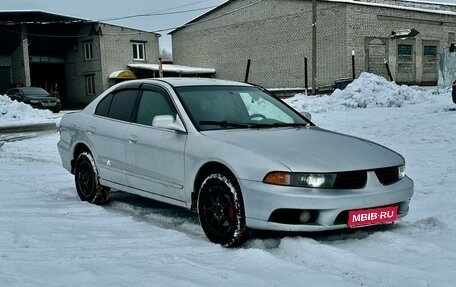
87, 180
221, 210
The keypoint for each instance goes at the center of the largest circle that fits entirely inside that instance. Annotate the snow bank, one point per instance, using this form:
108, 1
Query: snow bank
13, 112
367, 91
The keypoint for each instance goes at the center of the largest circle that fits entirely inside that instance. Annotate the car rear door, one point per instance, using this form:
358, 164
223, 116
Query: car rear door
107, 133
155, 156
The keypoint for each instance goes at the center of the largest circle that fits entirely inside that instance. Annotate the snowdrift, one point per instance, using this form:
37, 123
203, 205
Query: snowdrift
13, 111
368, 91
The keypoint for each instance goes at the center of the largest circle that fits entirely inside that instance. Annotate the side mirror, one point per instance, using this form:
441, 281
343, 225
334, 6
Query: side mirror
306, 115
168, 122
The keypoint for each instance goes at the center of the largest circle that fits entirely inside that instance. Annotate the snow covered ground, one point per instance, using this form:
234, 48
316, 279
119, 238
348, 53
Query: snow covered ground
48, 237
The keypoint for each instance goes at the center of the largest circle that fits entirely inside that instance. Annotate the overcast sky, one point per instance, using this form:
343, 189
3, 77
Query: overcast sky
105, 9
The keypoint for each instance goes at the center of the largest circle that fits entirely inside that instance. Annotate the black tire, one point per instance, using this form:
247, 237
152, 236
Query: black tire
87, 180
221, 210
56, 111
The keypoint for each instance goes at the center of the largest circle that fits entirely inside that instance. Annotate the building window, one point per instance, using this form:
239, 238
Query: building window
138, 51
88, 51
430, 50
404, 50
90, 84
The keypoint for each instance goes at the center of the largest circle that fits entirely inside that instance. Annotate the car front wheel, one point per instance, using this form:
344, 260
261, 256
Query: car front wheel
221, 210
87, 180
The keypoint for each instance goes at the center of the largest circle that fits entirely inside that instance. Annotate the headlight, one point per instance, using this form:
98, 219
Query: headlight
34, 101
311, 180
316, 180
401, 171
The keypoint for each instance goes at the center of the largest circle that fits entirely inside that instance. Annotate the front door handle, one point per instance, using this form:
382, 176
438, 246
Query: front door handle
132, 139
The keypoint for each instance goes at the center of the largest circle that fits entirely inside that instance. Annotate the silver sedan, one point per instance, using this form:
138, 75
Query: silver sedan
239, 157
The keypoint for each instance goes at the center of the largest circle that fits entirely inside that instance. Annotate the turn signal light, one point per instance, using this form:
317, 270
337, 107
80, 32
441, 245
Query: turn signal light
277, 177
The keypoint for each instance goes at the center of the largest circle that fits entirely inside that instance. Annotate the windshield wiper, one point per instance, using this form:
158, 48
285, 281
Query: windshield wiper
279, 125
225, 124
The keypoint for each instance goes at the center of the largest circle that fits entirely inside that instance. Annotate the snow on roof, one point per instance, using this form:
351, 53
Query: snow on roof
171, 68
392, 6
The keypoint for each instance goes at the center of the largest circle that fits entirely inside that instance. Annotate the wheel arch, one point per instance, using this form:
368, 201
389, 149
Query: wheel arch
203, 172
78, 149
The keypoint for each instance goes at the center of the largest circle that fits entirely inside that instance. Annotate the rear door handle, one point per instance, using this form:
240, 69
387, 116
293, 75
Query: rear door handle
132, 139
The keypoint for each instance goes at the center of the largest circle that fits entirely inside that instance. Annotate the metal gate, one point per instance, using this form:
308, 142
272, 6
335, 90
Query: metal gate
405, 68
377, 52
430, 62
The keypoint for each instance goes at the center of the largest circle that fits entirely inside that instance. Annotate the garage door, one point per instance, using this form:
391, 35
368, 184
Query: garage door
5, 76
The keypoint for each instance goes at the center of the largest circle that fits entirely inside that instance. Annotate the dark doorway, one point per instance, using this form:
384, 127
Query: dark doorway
5, 79
50, 77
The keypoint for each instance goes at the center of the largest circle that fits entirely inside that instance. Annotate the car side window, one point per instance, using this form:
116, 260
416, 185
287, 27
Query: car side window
103, 106
12, 92
152, 104
122, 105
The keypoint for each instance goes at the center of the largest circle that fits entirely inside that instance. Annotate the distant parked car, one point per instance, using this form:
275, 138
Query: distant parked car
36, 97
238, 156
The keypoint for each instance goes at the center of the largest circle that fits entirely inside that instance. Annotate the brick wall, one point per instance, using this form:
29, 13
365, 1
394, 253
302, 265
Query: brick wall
276, 35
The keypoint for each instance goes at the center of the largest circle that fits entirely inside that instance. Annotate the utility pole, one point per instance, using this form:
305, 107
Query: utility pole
314, 47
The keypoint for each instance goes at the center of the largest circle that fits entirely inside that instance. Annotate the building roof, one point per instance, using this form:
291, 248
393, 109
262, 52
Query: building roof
10, 17
411, 5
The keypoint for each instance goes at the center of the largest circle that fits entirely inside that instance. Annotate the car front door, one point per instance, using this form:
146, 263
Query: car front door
155, 156
107, 133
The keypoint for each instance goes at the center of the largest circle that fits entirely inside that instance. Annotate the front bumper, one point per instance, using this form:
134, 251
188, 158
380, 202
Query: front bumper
329, 206
46, 105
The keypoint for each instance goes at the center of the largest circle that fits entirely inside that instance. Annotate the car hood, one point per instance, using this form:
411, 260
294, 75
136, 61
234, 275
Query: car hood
310, 149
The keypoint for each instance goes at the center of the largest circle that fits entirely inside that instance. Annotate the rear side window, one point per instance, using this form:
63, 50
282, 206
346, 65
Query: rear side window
122, 105
13, 92
103, 106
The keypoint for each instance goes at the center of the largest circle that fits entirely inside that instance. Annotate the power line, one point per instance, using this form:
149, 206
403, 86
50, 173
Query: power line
141, 32
157, 14
151, 13
9, 23
210, 19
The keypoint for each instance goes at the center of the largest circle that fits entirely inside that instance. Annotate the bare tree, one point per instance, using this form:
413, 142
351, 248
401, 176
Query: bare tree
166, 55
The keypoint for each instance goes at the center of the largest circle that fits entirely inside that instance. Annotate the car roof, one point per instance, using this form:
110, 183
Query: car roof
183, 82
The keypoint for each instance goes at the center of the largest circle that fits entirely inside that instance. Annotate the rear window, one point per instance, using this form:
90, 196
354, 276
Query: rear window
103, 106
32, 91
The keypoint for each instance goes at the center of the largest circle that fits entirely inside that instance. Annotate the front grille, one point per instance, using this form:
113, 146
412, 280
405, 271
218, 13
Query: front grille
351, 180
387, 175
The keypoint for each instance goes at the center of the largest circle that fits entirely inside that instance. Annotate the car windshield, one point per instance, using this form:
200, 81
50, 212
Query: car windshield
32, 91
227, 107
